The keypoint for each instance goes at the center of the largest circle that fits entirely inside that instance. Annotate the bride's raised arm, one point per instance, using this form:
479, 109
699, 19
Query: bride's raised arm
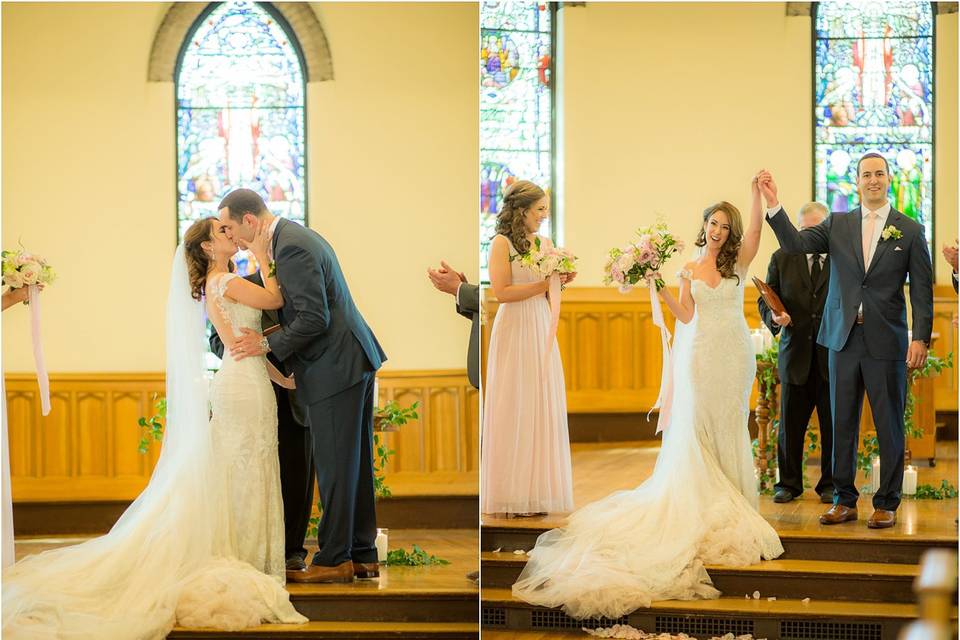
751, 237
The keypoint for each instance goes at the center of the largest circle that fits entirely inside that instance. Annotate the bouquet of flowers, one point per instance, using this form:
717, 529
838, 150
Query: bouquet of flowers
630, 264
547, 262
22, 269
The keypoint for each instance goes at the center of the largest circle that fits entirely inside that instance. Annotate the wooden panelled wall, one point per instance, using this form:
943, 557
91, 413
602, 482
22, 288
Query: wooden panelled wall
611, 349
87, 448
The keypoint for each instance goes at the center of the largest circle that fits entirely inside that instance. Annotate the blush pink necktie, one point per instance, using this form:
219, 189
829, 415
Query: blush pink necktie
868, 238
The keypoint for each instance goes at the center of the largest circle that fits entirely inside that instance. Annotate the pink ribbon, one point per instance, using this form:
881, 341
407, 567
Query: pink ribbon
665, 398
42, 379
554, 316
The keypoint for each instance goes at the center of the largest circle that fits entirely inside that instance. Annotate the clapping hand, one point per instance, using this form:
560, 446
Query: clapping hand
446, 278
950, 253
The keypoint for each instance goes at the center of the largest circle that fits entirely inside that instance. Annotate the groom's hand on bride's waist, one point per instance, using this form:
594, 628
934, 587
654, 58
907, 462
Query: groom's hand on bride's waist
249, 344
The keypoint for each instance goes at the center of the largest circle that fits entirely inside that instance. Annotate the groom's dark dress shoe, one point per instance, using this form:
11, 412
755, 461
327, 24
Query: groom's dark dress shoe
296, 564
827, 496
882, 519
837, 514
343, 572
782, 495
366, 570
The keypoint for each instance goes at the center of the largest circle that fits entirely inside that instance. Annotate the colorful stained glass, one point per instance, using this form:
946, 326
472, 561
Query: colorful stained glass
240, 116
874, 92
516, 105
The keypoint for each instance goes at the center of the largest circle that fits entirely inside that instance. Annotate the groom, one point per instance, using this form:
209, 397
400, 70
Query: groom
333, 355
872, 251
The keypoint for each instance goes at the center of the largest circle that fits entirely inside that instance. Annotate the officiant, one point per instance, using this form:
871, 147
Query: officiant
800, 280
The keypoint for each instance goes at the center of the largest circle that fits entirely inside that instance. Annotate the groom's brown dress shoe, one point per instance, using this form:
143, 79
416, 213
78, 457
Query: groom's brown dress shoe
366, 570
838, 513
882, 519
343, 572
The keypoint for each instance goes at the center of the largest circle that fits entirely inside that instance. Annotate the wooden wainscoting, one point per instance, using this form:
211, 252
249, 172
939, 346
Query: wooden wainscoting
611, 349
86, 450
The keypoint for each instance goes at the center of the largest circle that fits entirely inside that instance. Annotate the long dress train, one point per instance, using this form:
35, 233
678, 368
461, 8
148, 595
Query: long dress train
699, 506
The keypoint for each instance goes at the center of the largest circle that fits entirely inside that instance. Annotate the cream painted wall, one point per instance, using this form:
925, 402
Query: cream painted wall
671, 107
89, 175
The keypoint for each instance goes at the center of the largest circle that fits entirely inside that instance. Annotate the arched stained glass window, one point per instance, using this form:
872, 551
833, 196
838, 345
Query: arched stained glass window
516, 105
874, 92
240, 114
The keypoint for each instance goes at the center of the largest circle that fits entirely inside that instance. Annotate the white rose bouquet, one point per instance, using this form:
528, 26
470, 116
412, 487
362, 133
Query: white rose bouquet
547, 262
22, 269
629, 265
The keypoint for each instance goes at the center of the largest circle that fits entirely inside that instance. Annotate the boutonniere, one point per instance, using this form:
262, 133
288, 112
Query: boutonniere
273, 269
891, 232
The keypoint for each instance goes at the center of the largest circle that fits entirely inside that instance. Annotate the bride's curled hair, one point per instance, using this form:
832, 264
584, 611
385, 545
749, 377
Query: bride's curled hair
730, 251
518, 198
198, 260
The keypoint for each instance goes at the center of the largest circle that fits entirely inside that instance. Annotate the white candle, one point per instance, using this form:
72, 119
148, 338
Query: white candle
376, 392
757, 342
778, 474
875, 474
910, 481
382, 545
767, 336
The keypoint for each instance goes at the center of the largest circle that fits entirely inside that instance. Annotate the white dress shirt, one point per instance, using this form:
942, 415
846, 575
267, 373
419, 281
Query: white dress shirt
270, 231
821, 256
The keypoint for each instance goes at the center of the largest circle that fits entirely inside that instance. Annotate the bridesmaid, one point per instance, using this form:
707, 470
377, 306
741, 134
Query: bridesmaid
525, 450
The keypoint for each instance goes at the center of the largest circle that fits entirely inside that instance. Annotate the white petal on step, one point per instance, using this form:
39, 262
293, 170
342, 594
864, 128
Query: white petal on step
756, 595
518, 552
805, 601
771, 598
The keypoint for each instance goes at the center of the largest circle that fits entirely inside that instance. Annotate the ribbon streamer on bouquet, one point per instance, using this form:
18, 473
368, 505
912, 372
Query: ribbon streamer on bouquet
554, 316
42, 379
665, 398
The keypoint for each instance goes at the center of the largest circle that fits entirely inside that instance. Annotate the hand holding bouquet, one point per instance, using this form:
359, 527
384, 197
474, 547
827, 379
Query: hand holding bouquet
22, 269
547, 262
643, 257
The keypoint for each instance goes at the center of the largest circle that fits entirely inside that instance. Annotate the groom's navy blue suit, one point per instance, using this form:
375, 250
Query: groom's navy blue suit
334, 356
870, 356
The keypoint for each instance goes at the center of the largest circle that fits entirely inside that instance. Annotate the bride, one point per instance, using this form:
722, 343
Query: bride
700, 505
203, 545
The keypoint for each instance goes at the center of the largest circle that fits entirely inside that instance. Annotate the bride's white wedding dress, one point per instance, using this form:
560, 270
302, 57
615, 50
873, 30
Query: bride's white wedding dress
203, 545
699, 506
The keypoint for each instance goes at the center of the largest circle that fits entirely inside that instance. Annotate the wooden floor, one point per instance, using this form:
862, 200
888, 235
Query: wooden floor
602, 468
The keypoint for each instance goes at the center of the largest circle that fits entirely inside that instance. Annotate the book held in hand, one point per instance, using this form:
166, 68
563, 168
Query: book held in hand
769, 296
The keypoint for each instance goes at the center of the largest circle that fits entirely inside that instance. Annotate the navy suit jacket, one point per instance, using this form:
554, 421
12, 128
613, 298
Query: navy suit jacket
879, 287
324, 340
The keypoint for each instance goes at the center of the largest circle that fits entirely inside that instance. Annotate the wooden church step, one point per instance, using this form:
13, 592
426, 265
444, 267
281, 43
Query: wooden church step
364, 630
396, 596
781, 619
855, 543
871, 582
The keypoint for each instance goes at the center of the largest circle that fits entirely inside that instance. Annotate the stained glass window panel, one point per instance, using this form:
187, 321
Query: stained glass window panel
516, 105
240, 116
874, 92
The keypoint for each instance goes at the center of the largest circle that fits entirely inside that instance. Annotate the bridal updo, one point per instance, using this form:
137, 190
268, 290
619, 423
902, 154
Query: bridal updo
518, 198
198, 260
730, 251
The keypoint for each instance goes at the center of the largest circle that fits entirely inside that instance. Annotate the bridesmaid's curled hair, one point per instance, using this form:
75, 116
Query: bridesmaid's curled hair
518, 198
730, 251
198, 262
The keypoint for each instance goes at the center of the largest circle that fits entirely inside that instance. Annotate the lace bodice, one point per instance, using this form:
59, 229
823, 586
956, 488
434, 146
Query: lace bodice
237, 315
